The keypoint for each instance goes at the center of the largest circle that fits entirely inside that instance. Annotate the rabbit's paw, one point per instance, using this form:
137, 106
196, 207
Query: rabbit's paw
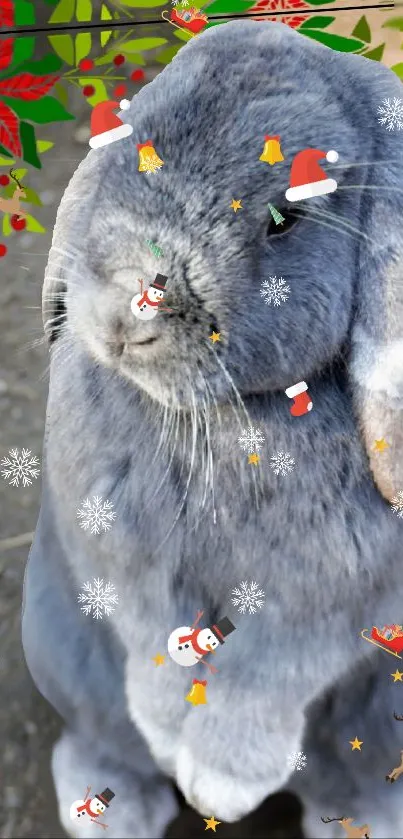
212, 792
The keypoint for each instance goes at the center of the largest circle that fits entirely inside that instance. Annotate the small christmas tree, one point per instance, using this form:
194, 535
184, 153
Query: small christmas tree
278, 218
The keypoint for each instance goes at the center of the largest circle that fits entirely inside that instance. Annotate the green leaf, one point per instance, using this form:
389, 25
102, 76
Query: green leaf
394, 23
107, 58
43, 145
101, 93
84, 11
362, 30
63, 46
134, 57
6, 161
398, 69
222, 7
64, 12
143, 4
23, 50
28, 141
19, 174
61, 94
31, 197
167, 55
7, 229
47, 65
375, 54
7, 155
41, 111
140, 44
33, 225
317, 22
83, 45
104, 37
24, 13
335, 42
105, 13
185, 36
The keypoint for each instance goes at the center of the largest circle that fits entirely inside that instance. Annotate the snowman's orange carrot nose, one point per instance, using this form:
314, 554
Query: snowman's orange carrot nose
210, 649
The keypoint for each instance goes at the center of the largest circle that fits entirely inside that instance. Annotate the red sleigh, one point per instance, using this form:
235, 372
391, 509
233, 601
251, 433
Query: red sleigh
389, 639
189, 19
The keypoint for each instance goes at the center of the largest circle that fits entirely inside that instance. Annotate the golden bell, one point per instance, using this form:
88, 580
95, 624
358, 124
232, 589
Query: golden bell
197, 695
148, 158
272, 152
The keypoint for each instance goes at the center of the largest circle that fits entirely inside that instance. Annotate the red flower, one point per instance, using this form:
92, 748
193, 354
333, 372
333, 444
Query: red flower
281, 6
6, 50
26, 86
6, 13
9, 136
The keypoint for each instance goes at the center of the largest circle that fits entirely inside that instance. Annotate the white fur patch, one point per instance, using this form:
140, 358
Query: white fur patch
385, 375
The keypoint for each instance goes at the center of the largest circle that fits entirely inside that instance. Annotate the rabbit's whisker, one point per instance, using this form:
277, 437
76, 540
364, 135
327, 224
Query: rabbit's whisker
318, 220
365, 163
173, 415
341, 224
377, 188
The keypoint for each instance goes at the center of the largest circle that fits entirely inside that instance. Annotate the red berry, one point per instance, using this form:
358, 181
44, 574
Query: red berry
18, 223
120, 90
118, 60
86, 64
88, 90
4, 180
3, 250
137, 76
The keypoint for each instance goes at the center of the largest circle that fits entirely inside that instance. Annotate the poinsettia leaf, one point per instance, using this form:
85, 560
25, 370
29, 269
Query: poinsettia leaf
394, 23
28, 142
27, 87
398, 69
6, 13
362, 30
375, 54
33, 225
50, 63
83, 10
63, 46
335, 42
9, 136
83, 45
64, 12
42, 111
100, 94
7, 229
43, 146
22, 52
317, 22
140, 44
6, 52
24, 13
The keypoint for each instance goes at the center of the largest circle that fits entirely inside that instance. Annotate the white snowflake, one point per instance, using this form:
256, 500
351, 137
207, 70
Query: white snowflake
248, 597
275, 291
96, 514
391, 112
180, 3
20, 467
296, 761
98, 599
397, 504
251, 439
282, 463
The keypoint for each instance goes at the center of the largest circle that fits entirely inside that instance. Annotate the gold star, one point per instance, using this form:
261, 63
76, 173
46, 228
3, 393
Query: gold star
398, 676
211, 823
253, 458
216, 336
381, 445
236, 205
356, 744
159, 659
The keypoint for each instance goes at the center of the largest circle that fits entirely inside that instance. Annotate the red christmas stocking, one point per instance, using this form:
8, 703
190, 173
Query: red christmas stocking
302, 400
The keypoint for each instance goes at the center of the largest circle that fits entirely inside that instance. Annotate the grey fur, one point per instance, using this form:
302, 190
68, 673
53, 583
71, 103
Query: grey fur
145, 431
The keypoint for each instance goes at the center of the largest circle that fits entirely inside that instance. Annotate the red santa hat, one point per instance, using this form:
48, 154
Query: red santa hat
106, 127
307, 178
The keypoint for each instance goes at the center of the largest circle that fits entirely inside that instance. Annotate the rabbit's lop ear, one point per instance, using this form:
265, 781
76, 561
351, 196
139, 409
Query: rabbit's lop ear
377, 331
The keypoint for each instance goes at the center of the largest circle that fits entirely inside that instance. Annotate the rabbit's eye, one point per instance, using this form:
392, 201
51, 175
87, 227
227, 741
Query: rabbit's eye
290, 216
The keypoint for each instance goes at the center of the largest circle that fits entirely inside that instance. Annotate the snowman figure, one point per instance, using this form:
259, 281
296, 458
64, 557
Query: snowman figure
187, 645
146, 304
91, 808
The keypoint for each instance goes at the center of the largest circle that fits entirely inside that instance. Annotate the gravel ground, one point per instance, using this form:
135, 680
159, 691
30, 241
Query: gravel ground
28, 727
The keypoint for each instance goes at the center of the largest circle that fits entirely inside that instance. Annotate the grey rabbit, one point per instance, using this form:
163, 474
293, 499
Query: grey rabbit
148, 416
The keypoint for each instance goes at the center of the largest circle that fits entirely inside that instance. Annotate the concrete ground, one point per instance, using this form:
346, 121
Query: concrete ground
28, 726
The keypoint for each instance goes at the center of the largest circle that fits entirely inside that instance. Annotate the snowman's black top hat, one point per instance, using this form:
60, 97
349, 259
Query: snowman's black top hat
223, 628
159, 282
106, 796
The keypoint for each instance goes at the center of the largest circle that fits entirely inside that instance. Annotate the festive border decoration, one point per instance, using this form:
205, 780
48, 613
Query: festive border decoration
35, 92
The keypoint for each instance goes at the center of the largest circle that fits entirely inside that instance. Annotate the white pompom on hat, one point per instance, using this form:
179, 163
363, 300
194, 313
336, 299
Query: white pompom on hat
307, 179
106, 127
